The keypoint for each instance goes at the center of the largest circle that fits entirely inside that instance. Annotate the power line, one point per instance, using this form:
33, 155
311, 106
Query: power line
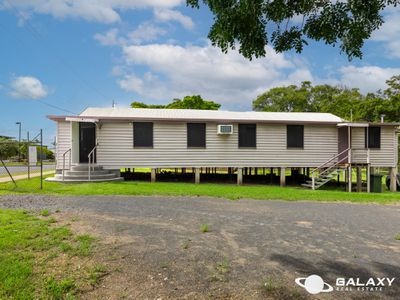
41, 101
39, 37
56, 107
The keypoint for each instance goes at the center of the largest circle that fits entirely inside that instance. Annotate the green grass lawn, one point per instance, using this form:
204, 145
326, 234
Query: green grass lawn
229, 191
34, 256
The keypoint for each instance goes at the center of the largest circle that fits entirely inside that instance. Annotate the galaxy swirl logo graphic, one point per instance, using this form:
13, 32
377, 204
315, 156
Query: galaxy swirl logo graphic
314, 284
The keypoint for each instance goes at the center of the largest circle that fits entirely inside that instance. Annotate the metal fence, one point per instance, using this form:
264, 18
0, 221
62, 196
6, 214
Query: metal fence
23, 165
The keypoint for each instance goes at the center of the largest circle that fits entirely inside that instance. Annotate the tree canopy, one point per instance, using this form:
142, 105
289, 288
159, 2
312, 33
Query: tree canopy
188, 102
289, 24
349, 104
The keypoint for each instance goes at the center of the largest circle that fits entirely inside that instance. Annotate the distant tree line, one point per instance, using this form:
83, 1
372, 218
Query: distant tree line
9, 148
188, 102
349, 104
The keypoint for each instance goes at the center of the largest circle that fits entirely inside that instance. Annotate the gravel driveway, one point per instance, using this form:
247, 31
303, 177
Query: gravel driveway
254, 249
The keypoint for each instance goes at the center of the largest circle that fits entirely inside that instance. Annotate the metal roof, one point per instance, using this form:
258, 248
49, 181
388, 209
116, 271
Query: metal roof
201, 115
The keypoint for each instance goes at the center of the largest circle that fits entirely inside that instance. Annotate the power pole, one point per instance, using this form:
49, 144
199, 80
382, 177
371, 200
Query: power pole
19, 141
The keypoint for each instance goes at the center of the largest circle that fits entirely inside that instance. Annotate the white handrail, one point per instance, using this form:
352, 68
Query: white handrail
334, 157
348, 155
69, 168
90, 157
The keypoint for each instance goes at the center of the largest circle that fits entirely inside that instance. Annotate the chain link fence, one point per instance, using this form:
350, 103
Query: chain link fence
23, 165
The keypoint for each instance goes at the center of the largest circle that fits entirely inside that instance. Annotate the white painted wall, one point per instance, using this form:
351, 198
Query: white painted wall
115, 149
63, 142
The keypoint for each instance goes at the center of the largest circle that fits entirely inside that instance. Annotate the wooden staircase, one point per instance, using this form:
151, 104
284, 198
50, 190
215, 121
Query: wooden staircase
328, 170
320, 180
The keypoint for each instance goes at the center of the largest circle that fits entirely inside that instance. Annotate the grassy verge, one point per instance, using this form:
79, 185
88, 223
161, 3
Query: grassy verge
33, 173
260, 192
38, 258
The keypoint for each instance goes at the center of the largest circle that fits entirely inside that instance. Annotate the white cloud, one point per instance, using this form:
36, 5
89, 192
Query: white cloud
109, 38
103, 11
27, 87
367, 78
131, 83
146, 32
166, 15
389, 33
175, 71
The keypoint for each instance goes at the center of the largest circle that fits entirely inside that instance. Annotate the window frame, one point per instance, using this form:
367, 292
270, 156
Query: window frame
204, 125
134, 135
287, 136
255, 136
367, 133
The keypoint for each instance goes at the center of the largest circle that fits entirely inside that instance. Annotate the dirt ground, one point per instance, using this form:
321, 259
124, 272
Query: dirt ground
155, 248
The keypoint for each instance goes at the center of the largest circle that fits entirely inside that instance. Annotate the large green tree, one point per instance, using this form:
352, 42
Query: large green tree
290, 24
188, 102
8, 147
350, 104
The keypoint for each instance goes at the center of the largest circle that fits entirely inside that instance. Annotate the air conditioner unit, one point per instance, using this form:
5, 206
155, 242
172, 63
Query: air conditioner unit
225, 129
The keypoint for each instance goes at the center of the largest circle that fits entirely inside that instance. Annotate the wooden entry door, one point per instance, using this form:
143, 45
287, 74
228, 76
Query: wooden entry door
87, 141
343, 143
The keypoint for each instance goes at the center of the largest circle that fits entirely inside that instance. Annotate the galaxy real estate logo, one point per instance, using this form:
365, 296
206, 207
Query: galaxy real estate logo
314, 284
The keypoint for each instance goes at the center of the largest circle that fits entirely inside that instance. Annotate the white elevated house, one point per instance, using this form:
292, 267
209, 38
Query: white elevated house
99, 142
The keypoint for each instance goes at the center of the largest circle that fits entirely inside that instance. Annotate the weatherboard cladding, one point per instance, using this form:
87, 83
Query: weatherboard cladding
170, 149
64, 142
383, 157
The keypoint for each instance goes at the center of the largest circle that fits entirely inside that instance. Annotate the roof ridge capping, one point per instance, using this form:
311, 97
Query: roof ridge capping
201, 110
208, 115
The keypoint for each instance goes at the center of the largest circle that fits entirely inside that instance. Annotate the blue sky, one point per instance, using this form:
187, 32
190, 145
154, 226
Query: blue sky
60, 54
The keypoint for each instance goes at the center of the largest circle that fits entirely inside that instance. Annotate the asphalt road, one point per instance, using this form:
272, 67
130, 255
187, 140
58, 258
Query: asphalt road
161, 252
24, 169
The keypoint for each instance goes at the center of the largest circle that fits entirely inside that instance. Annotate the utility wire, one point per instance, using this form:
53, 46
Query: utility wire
41, 101
27, 25
56, 107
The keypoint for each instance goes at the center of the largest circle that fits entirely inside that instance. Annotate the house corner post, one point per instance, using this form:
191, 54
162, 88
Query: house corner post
153, 175
197, 175
350, 179
240, 176
359, 180
282, 176
368, 178
393, 179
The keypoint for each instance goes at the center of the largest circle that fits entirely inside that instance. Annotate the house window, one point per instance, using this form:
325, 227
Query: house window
247, 135
372, 137
295, 136
143, 134
196, 135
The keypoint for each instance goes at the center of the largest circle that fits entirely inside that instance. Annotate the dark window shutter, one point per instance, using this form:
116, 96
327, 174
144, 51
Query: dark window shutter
247, 136
196, 135
143, 134
374, 137
295, 136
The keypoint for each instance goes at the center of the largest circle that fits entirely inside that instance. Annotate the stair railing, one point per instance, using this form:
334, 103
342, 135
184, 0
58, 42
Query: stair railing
324, 168
69, 162
91, 156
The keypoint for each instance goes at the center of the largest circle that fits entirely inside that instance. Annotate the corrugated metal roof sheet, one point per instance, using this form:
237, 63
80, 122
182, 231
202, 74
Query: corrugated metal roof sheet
208, 115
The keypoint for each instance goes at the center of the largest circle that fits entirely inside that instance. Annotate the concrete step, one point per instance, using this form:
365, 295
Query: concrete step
96, 172
85, 177
85, 167
53, 179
